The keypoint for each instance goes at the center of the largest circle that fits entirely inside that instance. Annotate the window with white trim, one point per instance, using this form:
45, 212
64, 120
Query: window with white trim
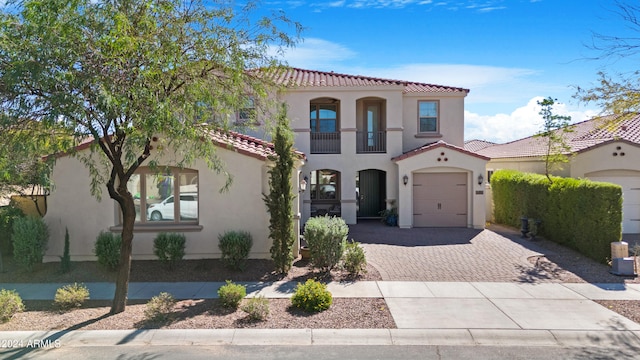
428, 116
167, 197
247, 114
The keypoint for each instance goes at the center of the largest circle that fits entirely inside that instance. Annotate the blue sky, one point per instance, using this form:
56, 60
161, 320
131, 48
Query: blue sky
509, 53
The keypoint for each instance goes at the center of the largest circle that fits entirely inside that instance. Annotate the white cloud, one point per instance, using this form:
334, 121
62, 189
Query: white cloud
462, 75
522, 122
317, 54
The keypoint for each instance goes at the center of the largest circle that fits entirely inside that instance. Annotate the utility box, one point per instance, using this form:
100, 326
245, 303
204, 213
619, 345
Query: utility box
619, 249
623, 266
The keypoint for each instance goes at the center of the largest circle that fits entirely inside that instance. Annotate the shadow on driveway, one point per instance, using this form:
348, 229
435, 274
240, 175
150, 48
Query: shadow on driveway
375, 232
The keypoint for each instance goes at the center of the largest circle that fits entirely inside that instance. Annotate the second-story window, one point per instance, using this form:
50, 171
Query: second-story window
324, 118
428, 116
247, 114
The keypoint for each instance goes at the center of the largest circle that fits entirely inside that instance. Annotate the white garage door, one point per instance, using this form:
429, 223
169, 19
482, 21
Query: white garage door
630, 200
440, 200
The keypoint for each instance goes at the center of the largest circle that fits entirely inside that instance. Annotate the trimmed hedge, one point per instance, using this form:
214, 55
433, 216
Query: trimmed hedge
578, 213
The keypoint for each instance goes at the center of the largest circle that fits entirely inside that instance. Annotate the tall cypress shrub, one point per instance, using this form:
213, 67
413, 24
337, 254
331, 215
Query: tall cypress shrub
279, 201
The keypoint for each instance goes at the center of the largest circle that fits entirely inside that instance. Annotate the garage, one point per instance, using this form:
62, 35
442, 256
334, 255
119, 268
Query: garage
630, 182
440, 199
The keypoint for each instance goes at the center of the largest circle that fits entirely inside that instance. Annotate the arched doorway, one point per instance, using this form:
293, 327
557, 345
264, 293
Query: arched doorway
371, 192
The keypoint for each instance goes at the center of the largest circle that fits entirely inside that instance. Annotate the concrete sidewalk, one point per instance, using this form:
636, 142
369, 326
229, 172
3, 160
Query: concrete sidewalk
425, 313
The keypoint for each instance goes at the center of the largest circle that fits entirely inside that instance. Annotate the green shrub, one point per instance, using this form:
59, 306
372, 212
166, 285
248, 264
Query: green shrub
160, 307
8, 215
107, 249
235, 247
312, 296
231, 294
30, 237
10, 304
326, 237
65, 259
169, 248
355, 261
257, 308
71, 296
577, 213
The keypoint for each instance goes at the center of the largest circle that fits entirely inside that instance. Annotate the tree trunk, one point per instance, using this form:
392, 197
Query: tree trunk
124, 267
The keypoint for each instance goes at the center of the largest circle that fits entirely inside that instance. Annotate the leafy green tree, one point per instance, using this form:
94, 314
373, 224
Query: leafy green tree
553, 132
133, 78
279, 201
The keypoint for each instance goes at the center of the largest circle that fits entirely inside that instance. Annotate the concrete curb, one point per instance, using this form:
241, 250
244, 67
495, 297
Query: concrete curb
319, 337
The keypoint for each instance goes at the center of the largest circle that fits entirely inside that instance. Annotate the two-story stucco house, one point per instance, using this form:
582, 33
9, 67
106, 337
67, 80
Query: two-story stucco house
373, 144
365, 144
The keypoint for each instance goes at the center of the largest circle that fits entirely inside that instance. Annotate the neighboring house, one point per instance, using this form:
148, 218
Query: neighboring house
202, 212
373, 144
602, 151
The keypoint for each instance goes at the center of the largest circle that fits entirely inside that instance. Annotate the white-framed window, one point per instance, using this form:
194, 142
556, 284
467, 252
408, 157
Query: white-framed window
247, 114
428, 119
170, 196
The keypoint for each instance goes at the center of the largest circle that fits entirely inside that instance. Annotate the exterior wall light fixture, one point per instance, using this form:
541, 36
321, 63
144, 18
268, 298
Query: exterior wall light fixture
303, 184
480, 179
405, 180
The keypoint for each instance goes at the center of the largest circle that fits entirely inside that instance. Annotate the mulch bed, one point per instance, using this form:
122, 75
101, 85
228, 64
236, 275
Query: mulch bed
344, 313
185, 271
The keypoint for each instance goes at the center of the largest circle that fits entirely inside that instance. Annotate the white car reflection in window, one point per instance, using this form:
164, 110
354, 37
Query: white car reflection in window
164, 210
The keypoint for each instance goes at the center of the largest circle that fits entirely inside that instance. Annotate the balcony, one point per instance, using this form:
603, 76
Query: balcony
325, 143
371, 142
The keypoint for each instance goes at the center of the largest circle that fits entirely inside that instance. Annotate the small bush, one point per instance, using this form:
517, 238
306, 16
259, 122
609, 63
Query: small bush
30, 237
326, 237
10, 304
312, 296
235, 247
65, 259
71, 296
107, 249
231, 294
257, 308
169, 248
355, 262
159, 308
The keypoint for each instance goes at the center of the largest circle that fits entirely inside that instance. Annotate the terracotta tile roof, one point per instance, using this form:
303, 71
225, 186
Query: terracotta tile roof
247, 145
583, 136
436, 145
475, 144
292, 77
231, 140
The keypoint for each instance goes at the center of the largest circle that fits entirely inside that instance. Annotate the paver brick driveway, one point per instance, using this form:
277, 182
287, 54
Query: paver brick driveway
445, 254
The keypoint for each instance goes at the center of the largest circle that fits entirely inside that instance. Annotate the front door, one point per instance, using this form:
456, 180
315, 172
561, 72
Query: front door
371, 192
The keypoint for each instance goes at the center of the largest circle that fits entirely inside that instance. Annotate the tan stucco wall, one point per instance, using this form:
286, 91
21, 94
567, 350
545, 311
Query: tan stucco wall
451, 113
241, 208
457, 162
601, 158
